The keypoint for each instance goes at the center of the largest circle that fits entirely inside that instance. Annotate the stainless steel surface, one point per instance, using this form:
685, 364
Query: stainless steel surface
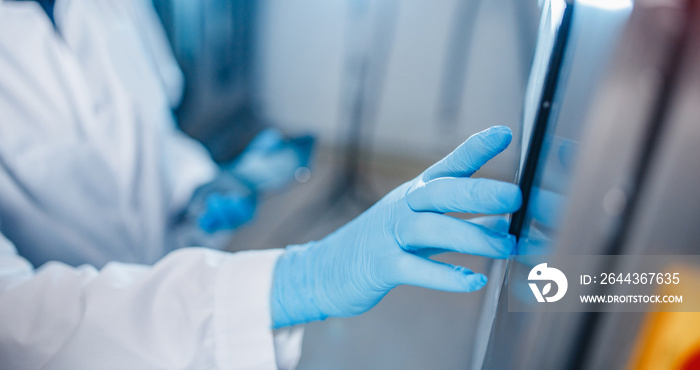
666, 217
618, 124
614, 141
622, 126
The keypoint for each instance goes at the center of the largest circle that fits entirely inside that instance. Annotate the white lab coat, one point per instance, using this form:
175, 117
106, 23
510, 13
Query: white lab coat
91, 171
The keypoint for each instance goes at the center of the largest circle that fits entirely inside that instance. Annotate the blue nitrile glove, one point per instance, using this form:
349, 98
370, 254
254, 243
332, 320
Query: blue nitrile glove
349, 271
226, 211
268, 163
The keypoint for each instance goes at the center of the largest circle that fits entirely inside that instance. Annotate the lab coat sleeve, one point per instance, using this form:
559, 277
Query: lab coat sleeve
188, 166
191, 165
196, 308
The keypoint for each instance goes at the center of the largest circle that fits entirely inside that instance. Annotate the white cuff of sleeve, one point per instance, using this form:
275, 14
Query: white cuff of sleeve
288, 346
242, 320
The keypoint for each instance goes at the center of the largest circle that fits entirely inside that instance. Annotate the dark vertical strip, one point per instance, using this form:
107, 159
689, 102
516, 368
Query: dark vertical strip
543, 113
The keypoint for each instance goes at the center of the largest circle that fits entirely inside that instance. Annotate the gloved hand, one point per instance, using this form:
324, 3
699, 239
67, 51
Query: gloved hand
226, 211
349, 271
268, 163
271, 161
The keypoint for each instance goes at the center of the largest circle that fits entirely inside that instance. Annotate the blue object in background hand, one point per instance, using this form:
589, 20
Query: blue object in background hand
226, 211
351, 270
268, 163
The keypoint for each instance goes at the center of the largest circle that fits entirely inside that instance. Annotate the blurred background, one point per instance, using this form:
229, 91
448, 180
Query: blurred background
387, 87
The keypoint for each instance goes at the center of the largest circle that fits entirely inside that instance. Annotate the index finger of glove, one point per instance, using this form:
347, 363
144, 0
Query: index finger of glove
472, 154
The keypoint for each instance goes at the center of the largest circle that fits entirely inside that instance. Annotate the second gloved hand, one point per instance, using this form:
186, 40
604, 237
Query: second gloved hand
351, 270
226, 211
